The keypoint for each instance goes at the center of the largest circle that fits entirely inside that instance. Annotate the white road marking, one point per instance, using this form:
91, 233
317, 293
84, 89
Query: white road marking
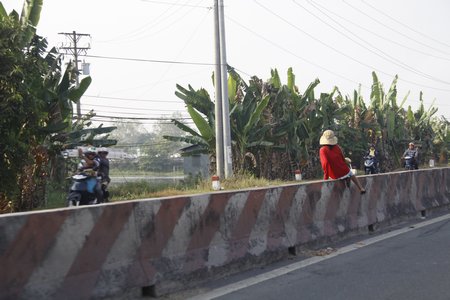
307, 262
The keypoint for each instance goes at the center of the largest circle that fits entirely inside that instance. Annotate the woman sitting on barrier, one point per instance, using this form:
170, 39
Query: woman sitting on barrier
333, 161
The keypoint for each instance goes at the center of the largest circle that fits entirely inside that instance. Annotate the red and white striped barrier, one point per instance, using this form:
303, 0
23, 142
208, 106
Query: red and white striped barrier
163, 245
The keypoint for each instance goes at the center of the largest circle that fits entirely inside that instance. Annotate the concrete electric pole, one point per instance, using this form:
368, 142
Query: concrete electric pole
223, 132
74, 49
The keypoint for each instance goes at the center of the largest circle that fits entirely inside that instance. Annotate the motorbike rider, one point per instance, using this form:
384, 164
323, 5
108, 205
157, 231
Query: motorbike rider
373, 153
90, 164
412, 152
103, 171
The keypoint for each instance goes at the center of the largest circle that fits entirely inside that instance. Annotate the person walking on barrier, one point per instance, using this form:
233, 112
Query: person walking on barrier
333, 161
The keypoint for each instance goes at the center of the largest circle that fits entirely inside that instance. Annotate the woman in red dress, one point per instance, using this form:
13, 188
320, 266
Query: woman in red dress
333, 160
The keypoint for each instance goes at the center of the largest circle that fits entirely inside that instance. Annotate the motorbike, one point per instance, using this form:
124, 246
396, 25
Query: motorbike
370, 165
410, 163
82, 191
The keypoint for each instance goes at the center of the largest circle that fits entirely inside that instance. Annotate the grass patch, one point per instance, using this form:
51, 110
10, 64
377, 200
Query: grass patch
55, 199
55, 196
144, 189
119, 173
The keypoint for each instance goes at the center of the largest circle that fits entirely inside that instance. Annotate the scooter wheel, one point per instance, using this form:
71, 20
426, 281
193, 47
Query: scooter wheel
73, 199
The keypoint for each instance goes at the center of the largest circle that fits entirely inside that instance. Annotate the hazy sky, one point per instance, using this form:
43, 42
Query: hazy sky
141, 49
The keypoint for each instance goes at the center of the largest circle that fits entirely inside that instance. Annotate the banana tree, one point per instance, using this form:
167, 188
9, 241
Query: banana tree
245, 114
35, 108
289, 110
420, 126
201, 109
28, 19
390, 118
246, 108
441, 128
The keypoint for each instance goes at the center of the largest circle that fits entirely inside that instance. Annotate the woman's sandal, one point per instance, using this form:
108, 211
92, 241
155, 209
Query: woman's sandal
363, 192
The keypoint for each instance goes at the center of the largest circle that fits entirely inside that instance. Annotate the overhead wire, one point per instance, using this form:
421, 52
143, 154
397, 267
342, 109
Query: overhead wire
189, 39
131, 108
340, 52
140, 118
392, 29
289, 51
160, 81
174, 4
340, 17
405, 25
383, 54
175, 21
148, 60
141, 29
130, 99
137, 122
127, 114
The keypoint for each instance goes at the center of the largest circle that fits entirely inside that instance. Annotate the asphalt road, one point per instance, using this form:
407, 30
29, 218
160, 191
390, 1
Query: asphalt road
411, 262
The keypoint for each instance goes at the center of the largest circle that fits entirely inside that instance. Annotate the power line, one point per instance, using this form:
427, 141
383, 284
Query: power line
404, 25
340, 17
181, 50
178, 19
132, 108
137, 122
132, 99
342, 53
127, 114
176, 4
290, 52
151, 60
394, 30
165, 15
138, 118
384, 55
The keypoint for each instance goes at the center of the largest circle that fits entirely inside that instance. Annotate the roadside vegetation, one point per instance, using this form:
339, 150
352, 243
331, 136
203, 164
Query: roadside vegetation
275, 126
143, 189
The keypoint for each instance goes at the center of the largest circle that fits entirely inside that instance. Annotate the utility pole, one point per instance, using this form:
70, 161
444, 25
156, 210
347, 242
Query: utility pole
228, 157
74, 49
218, 91
223, 133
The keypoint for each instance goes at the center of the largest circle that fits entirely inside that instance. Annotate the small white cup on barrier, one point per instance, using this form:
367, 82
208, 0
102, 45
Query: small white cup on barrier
215, 183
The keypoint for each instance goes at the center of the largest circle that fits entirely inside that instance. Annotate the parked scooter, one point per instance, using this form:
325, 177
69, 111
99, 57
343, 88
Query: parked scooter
82, 191
370, 164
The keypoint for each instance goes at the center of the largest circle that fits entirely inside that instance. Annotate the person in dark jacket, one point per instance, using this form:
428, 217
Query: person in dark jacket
412, 152
103, 171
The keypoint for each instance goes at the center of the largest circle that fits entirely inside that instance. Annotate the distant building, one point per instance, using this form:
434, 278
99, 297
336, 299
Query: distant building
113, 153
197, 164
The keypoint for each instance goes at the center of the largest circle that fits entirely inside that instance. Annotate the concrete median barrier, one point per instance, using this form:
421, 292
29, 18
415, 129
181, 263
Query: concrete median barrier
156, 246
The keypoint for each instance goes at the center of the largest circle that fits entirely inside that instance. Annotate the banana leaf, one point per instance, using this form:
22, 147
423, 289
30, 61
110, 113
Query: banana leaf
202, 125
3, 13
232, 89
291, 80
76, 93
185, 127
254, 118
29, 18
